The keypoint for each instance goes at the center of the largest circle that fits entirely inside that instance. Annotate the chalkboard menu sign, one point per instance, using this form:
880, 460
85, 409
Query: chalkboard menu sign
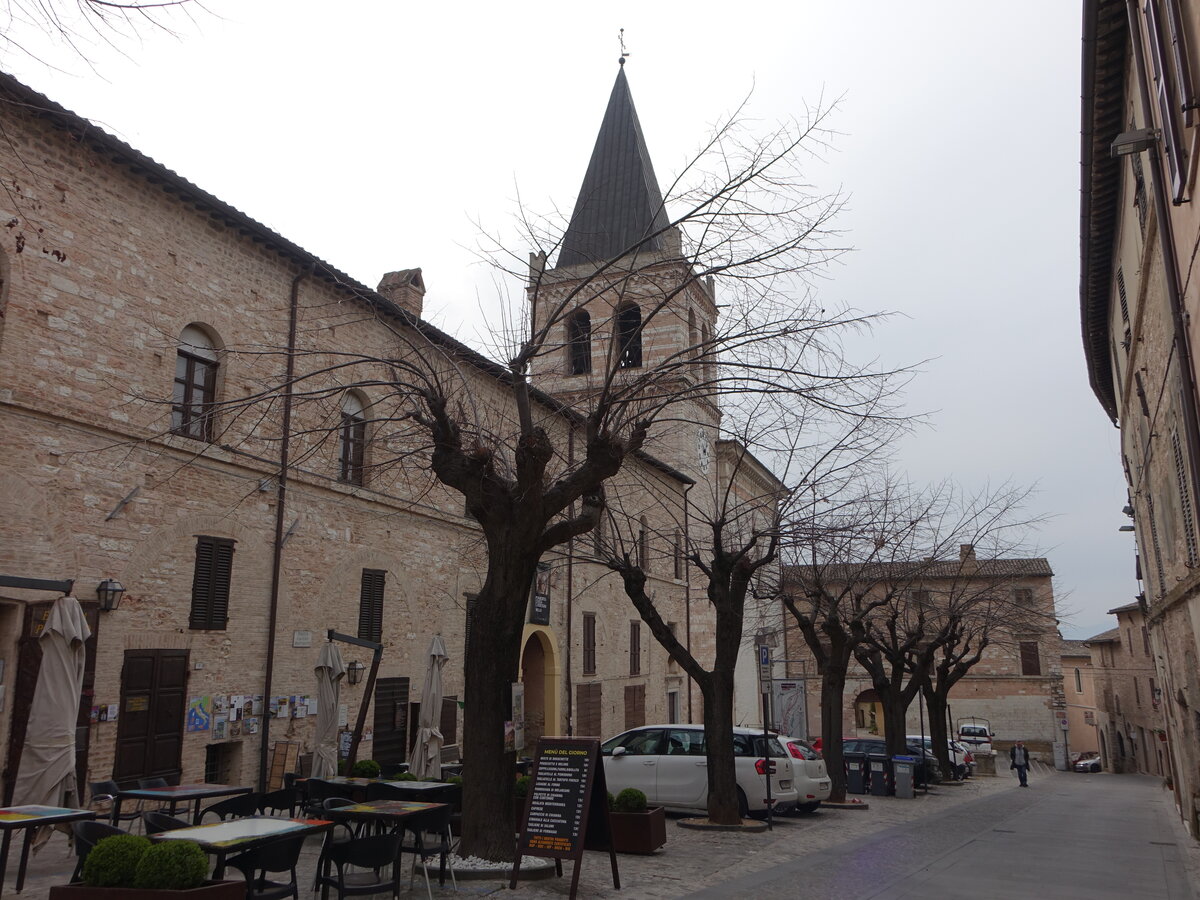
567, 799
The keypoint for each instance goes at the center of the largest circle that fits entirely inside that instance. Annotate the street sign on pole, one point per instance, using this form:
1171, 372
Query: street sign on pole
764, 666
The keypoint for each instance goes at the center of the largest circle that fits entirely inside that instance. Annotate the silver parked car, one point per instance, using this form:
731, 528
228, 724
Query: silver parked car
667, 763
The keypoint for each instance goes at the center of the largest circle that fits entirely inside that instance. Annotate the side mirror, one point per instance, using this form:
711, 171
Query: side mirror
618, 751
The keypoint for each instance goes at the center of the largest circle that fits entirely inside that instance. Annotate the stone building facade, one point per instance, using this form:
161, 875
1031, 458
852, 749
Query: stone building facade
1079, 694
1129, 700
1016, 687
143, 321
1139, 303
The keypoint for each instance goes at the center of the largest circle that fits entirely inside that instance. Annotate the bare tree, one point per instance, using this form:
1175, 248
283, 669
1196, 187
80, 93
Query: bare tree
531, 466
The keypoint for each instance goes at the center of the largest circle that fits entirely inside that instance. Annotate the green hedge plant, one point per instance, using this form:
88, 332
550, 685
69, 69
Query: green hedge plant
172, 866
365, 768
630, 800
114, 860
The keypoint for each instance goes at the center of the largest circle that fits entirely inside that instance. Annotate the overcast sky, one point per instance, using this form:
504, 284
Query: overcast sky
383, 135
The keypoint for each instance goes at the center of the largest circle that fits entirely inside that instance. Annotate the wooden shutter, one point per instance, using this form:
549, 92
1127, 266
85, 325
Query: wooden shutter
589, 643
1167, 103
448, 725
635, 705
1031, 663
587, 709
210, 583
635, 648
370, 605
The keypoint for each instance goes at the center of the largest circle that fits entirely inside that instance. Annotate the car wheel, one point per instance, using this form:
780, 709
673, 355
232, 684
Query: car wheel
808, 807
743, 804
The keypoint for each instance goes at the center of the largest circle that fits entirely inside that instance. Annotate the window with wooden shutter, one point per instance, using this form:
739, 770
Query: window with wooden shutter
587, 709
1168, 103
352, 441
471, 601
635, 705
635, 648
589, 643
210, 583
1031, 663
370, 605
1185, 500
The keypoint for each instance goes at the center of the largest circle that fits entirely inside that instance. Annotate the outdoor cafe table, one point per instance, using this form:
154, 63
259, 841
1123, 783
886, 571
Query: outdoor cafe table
390, 812
236, 835
176, 794
31, 818
422, 789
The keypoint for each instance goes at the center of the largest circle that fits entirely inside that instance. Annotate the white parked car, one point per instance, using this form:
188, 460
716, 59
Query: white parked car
667, 764
960, 757
976, 735
811, 778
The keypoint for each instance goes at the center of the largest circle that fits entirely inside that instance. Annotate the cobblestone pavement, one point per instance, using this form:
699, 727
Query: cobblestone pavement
727, 863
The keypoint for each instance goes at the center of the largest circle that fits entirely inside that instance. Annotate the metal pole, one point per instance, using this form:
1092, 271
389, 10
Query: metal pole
766, 704
921, 711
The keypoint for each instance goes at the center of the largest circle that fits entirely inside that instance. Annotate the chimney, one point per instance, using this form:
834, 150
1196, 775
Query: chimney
966, 552
405, 288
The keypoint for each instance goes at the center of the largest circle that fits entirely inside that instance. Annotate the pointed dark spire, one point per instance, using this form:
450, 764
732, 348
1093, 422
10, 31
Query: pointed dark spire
620, 204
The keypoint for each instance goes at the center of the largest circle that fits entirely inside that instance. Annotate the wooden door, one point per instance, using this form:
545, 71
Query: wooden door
150, 723
391, 721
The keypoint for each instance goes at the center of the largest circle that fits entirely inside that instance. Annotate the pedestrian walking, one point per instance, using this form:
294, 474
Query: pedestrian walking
1019, 759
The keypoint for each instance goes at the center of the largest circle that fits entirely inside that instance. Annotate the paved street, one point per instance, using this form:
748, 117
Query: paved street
1067, 836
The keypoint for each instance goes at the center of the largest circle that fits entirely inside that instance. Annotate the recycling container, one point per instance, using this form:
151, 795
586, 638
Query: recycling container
879, 769
903, 768
856, 773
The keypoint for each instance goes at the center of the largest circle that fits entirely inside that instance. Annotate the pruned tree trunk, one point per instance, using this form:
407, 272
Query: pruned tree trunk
937, 705
833, 688
718, 731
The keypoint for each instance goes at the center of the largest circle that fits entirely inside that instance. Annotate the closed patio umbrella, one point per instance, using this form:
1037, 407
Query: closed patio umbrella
426, 761
329, 671
46, 773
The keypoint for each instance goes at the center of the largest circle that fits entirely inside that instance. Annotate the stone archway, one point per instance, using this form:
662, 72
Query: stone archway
540, 676
868, 713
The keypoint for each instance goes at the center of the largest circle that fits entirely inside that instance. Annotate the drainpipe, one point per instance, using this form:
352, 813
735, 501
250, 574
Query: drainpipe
280, 505
1166, 240
570, 595
687, 593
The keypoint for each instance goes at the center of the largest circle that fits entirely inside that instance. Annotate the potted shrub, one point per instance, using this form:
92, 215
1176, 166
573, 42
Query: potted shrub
365, 768
130, 867
520, 792
636, 828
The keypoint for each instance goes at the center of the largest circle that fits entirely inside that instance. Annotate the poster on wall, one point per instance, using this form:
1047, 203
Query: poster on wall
220, 728
539, 604
199, 713
251, 725
518, 716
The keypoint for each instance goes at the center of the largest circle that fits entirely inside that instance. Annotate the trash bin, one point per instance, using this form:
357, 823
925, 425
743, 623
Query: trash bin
879, 766
856, 773
903, 769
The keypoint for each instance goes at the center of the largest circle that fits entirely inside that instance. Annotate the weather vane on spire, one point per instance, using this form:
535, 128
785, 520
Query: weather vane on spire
624, 52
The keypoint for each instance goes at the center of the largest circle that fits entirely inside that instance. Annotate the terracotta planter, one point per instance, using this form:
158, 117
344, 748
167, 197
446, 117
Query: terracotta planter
213, 890
642, 832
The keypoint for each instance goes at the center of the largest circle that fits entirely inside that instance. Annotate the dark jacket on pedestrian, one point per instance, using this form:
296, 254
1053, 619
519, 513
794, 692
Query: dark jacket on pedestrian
1018, 756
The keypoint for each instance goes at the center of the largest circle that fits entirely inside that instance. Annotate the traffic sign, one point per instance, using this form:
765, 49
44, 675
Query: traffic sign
764, 665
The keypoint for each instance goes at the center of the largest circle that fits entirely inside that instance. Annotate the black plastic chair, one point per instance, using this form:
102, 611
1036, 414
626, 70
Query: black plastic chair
376, 853
157, 822
435, 824
318, 791
232, 808
152, 782
283, 800
106, 792
277, 856
87, 835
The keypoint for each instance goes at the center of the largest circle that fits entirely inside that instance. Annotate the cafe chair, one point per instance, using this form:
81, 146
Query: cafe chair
318, 792
87, 835
281, 801
157, 822
255, 865
431, 838
106, 792
379, 853
153, 783
232, 808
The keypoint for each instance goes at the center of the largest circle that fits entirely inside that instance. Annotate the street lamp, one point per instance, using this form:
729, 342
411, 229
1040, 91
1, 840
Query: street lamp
354, 672
1129, 142
109, 593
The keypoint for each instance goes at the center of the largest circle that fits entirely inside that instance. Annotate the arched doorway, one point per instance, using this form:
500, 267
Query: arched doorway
540, 677
868, 713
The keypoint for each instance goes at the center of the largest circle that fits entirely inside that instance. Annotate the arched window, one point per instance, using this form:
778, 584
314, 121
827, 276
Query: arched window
706, 351
195, 394
579, 343
352, 440
1078, 681
629, 336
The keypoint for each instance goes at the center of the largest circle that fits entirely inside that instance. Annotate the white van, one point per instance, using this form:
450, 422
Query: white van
976, 735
